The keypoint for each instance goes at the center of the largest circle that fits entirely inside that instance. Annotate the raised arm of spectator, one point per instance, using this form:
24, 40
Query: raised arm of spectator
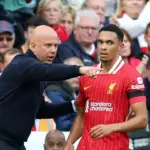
136, 27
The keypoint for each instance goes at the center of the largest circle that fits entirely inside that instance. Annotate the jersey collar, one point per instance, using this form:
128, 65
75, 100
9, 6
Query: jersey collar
116, 67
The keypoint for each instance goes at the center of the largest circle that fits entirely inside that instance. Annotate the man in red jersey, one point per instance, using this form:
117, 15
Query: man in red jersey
104, 103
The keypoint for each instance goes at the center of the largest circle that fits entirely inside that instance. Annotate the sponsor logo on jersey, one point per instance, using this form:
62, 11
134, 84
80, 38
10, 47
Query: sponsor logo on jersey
139, 80
138, 86
87, 87
98, 106
111, 88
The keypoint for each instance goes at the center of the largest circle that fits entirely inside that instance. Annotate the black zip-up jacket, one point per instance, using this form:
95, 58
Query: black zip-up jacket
21, 95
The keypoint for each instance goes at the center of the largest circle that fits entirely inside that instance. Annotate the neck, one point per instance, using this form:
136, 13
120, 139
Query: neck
25, 47
125, 59
53, 26
86, 47
106, 66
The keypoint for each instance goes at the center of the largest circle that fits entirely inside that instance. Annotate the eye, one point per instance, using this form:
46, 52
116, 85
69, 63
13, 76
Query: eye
110, 42
56, 45
50, 144
60, 144
99, 42
48, 45
69, 22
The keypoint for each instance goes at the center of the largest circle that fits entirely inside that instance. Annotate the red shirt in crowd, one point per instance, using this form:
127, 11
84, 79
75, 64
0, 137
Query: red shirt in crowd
61, 32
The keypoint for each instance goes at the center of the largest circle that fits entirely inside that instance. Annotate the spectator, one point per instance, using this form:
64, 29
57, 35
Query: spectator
128, 51
130, 10
8, 56
67, 19
65, 91
55, 140
14, 5
81, 43
30, 25
128, 55
138, 26
98, 6
7, 36
76, 4
147, 73
51, 10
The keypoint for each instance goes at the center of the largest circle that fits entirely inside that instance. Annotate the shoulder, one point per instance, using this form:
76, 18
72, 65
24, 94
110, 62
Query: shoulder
134, 62
20, 64
84, 80
68, 43
129, 69
130, 73
23, 61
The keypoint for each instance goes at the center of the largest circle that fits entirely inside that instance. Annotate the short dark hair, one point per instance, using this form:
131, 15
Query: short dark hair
147, 28
115, 29
35, 21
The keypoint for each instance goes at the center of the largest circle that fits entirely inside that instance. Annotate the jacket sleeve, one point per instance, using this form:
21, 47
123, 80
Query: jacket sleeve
33, 69
63, 123
52, 110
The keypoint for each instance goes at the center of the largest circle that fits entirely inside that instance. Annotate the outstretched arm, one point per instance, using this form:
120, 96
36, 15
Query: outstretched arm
52, 110
36, 71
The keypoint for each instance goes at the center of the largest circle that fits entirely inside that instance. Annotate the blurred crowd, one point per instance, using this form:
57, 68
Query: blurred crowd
77, 23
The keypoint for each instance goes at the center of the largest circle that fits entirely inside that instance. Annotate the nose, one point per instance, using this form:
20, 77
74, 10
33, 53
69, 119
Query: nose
103, 46
53, 49
5, 42
90, 31
55, 147
66, 25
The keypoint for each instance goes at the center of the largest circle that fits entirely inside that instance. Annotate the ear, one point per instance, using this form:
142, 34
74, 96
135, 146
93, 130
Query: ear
32, 45
75, 31
121, 45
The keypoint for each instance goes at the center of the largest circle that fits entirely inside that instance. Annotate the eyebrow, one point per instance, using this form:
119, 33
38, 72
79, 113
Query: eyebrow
105, 40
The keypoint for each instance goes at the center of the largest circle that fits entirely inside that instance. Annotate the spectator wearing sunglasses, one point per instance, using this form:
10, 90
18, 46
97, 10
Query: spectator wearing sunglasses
7, 36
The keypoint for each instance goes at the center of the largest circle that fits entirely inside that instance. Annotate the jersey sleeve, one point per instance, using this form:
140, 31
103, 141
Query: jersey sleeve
81, 99
135, 88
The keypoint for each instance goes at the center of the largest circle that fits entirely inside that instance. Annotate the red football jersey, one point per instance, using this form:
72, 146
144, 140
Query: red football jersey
107, 100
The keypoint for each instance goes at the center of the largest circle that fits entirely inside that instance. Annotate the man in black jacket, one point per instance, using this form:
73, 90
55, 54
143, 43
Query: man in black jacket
21, 91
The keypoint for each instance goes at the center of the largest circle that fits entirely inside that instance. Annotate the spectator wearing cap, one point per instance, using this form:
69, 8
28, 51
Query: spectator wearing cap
7, 36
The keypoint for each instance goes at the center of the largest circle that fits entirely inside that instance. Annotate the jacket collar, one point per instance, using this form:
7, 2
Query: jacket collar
31, 54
